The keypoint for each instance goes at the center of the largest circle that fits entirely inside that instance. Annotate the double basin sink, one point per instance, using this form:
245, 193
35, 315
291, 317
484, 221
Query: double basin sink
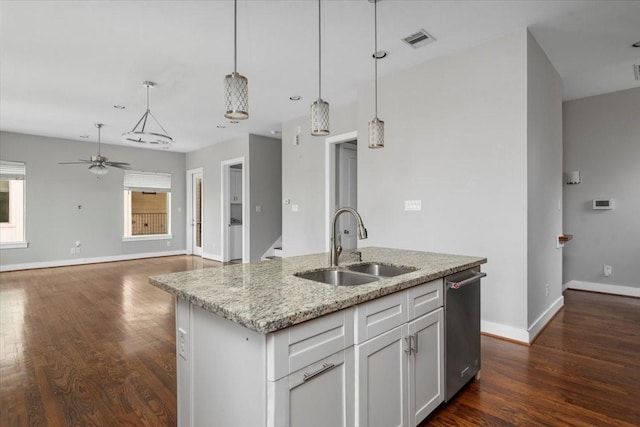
355, 275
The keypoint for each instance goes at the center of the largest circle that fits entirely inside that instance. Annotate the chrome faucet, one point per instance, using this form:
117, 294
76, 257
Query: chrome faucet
336, 247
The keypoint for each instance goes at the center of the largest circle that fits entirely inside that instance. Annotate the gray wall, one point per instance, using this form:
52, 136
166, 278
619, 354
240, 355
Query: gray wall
303, 182
209, 159
544, 183
262, 170
602, 141
53, 221
266, 191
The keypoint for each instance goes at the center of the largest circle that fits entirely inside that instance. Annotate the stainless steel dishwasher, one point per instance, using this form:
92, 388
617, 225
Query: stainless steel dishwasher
461, 329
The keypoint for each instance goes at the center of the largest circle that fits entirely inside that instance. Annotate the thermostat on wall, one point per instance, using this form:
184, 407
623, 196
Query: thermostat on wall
602, 204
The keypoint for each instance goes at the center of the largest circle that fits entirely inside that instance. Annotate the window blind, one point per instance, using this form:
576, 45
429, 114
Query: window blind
12, 170
147, 181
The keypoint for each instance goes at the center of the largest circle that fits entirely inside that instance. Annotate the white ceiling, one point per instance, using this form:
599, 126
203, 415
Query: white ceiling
64, 64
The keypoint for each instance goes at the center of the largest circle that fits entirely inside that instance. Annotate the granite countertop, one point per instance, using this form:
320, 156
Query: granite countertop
266, 296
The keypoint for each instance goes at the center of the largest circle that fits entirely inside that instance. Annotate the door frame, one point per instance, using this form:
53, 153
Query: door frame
189, 216
330, 177
225, 209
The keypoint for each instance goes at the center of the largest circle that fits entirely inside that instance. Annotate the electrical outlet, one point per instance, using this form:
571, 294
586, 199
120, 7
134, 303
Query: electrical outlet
546, 290
182, 343
608, 270
73, 251
168, 242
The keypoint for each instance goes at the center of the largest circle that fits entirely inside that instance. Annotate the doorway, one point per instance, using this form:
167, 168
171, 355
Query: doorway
233, 209
195, 220
341, 186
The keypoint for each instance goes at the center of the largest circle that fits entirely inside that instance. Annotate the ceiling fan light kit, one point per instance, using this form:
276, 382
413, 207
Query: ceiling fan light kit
236, 86
140, 133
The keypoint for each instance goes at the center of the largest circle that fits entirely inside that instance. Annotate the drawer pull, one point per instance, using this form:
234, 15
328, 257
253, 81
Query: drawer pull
414, 340
325, 367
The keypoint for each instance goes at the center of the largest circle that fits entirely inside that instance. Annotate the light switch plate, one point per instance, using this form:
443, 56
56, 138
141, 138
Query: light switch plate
413, 205
294, 208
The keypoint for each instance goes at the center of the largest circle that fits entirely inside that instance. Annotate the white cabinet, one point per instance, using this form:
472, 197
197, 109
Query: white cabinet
400, 358
379, 363
235, 185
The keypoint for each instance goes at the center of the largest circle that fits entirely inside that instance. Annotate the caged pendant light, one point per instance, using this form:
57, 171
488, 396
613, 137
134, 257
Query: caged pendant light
236, 86
376, 126
141, 134
319, 108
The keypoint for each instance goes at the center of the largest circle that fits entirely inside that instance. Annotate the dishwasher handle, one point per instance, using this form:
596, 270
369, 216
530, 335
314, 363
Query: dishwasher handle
457, 285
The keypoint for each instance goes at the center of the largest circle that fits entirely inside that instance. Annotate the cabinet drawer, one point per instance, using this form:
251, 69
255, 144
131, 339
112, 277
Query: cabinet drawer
381, 315
302, 345
425, 298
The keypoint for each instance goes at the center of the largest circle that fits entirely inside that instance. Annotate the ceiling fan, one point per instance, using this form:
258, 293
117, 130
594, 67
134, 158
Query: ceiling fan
99, 163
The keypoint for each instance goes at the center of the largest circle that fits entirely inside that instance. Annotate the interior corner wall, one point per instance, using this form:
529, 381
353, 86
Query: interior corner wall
602, 141
210, 159
66, 203
544, 183
266, 192
303, 181
455, 139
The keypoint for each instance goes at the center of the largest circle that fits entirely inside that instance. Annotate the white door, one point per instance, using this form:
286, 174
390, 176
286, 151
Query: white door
348, 193
382, 376
195, 218
426, 365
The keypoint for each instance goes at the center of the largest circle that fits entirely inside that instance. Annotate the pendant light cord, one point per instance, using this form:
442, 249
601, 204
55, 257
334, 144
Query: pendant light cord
375, 52
99, 140
319, 50
235, 34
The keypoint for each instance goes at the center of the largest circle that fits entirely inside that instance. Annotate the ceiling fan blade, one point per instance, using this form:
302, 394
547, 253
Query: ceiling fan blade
76, 163
118, 165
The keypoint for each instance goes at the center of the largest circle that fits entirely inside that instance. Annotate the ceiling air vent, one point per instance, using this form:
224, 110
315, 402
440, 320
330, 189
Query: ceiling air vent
636, 71
419, 39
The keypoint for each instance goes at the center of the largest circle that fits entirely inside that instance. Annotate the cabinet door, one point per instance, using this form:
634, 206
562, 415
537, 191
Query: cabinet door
319, 395
426, 365
381, 390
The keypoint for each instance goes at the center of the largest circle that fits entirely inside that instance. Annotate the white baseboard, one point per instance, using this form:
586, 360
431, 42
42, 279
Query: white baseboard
628, 291
505, 331
213, 257
80, 261
544, 318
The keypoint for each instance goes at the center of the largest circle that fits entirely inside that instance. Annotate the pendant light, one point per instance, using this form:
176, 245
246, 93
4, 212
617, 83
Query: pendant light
236, 86
319, 108
376, 126
143, 135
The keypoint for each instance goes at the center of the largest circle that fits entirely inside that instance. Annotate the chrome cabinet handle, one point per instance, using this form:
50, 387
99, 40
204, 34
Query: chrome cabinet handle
407, 348
414, 340
325, 367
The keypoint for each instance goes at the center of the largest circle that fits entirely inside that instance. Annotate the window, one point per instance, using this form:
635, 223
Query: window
12, 197
147, 205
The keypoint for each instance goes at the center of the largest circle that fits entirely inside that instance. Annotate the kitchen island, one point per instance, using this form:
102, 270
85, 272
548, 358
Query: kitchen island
259, 346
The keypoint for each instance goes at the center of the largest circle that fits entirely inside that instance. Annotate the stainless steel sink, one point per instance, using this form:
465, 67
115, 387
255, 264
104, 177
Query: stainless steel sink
338, 277
382, 270
355, 275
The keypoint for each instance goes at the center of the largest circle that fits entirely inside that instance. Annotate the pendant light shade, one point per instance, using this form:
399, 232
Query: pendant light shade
142, 134
319, 108
376, 126
236, 86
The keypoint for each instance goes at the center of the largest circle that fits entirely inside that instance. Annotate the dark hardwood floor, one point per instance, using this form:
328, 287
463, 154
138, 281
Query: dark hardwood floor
94, 345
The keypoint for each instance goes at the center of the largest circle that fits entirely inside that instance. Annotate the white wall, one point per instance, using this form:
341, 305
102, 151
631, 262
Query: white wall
544, 179
456, 138
53, 221
602, 141
303, 181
